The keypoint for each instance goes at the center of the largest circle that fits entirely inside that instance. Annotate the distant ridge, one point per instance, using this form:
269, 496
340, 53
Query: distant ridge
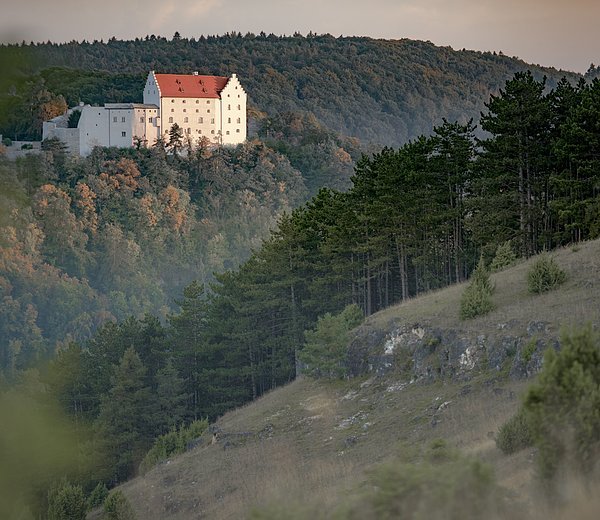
381, 91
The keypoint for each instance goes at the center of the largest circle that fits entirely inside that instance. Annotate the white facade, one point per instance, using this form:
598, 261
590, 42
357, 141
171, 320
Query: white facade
219, 115
203, 106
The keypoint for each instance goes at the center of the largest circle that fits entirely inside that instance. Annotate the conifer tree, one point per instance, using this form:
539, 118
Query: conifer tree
125, 426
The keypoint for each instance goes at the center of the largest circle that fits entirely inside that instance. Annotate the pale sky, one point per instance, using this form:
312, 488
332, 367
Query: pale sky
560, 33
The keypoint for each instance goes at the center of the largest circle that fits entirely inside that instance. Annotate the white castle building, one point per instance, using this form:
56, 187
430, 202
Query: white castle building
212, 107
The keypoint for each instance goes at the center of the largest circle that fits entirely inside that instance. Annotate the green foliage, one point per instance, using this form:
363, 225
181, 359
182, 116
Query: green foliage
66, 502
324, 352
6, 141
504, 257
544, 275
74, 118
172, 443
528, 350
515, 434
97, 496
561, 408
125, 423
442, 485
476, 299
117, 507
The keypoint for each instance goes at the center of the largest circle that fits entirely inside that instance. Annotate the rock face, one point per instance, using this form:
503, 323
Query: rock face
426, 353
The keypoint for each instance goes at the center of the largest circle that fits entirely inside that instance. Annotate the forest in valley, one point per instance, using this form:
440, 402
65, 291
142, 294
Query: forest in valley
385, 92
140, 281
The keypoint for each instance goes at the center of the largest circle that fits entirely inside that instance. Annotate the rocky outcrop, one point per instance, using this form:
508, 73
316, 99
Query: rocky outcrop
425, 353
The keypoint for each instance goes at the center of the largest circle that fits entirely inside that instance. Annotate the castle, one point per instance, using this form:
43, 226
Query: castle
212, 107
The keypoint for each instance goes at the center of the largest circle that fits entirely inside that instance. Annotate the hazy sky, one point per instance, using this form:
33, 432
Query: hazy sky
560, 33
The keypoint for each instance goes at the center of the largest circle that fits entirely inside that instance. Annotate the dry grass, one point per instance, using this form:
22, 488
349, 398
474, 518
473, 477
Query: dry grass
315, 441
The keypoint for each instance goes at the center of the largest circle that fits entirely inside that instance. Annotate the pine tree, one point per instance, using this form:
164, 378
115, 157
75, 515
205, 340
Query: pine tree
171, 398
125, 427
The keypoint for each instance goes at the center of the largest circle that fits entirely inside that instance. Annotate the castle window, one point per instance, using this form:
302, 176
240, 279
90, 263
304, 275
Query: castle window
172, 101
228, 107
212, 131
114, 119
207, 101
150, 119
172, 110
237, 131
123, 134
239, 107
122, 120
199, 131
200, 120
227, 132
141, 119
185, 119
208, 110
189, 131
184, 110
170, 120
197, 111
197, 101
212, 121
229, 120
183, 101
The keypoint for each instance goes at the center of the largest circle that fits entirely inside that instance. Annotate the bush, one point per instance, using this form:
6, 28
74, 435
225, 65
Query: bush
515, 434
544, 275
97, 496
117, 507
325, 349
7, 141
172, 443
505, 257
66, 502
562, 408
477, 297
443, 485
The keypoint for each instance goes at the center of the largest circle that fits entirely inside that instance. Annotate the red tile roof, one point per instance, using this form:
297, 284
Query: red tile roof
190, 86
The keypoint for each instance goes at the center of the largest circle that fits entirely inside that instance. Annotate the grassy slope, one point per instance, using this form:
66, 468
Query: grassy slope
314, 440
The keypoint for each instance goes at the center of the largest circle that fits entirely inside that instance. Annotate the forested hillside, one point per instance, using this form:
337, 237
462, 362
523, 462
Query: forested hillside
381, 91
86, 242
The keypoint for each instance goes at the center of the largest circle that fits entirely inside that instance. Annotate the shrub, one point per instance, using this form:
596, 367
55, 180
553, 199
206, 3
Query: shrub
544, 275
117, 507
443, 485
172, 443
562, 408
7, 141
97, 496
66, 502
505, 257
477, 297
325, 348
515, 434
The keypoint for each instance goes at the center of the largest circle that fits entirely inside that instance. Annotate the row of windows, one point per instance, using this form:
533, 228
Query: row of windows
198, 131
207, 110
197, 101
239, 107
200, 120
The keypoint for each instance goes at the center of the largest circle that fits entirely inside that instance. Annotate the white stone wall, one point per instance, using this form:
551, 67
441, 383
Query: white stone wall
199, 117
233, 112
151, 91
93, 129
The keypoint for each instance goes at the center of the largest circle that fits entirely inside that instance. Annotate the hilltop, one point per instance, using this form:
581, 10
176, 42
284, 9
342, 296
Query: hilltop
381, 91
308, 446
